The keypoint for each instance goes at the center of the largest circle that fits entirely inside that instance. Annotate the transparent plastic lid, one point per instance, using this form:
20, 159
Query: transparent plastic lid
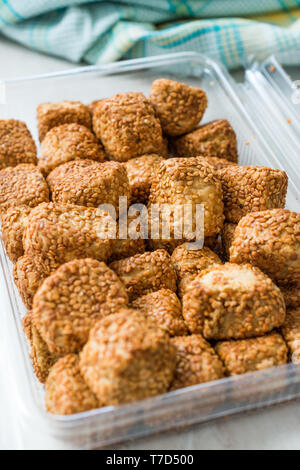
273, 100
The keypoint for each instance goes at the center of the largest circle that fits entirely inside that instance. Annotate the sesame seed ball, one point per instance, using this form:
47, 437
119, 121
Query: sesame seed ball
250, 355
128, 127
16, 144
270, 240
216, 162
42, 360
29, 272
140, 171
65, 232
163, 307
51, 115
251, 189
66, 391
181, 181
291, 333
66, 143
233, 301
89, 183
227, 236
127, 358
291, 294
197, 362
13, 223
145, 273
179, 107
189, 264
215, 139
22, 185
72, 299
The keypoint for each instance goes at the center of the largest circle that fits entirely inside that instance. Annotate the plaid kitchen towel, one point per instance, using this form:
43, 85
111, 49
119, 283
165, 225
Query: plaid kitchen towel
99, 31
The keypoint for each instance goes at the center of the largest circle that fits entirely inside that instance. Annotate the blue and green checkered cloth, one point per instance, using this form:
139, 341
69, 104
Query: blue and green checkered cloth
99, 31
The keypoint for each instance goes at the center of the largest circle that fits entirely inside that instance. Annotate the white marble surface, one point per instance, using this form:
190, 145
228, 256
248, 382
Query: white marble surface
274, 428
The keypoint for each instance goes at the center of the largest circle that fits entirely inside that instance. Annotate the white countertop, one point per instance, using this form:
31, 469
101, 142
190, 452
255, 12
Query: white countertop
275, 428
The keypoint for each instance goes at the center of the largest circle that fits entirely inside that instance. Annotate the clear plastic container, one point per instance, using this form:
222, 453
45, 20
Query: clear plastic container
269, 96
262, 140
